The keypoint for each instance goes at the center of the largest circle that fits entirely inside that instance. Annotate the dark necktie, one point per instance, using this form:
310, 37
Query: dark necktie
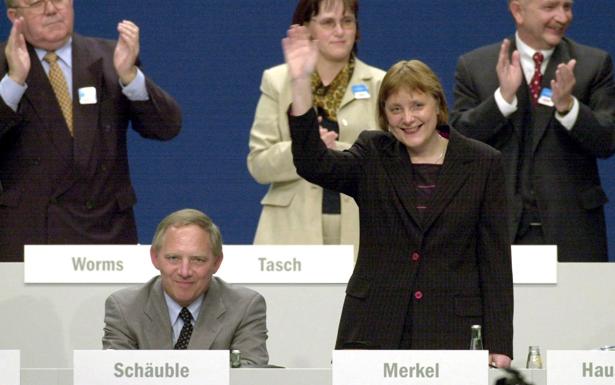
184, 335
536, 78
60, 88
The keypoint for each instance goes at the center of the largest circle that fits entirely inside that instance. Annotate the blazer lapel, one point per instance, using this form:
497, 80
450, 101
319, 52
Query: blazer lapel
209, 323
359, 76
87, 72
455, 171
158, 314
517, 118
399, 169
41, 99
544, 114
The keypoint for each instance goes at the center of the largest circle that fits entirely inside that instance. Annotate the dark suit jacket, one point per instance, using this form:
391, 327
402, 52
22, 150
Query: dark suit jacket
231, 317
566, 183
448, 271
56, 189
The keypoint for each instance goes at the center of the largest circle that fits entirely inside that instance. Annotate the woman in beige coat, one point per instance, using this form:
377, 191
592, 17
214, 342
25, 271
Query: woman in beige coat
344, 92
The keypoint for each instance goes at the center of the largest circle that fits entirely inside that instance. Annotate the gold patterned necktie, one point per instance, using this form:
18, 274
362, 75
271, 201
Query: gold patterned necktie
60, 88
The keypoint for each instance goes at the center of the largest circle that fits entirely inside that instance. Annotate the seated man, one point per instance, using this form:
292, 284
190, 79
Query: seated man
186, 307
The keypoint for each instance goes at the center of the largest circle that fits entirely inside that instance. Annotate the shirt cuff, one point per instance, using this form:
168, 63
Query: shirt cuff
506, 108
11, 92
570, 118
135, 90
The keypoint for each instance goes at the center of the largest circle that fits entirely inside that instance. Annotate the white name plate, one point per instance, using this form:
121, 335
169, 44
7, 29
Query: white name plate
580, 367
242, 264
417, 367
151, 367
287, 264
9, 367
87, 264
534, 264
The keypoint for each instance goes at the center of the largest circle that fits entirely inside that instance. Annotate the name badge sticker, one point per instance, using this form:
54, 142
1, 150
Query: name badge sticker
545, 97
87, 95
360, 91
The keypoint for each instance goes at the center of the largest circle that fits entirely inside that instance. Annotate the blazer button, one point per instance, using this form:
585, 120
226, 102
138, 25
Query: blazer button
418, 295
415, 256
89, 205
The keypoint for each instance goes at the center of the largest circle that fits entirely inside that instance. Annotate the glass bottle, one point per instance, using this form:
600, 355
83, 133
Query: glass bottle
534, 361
476, 343
235, 358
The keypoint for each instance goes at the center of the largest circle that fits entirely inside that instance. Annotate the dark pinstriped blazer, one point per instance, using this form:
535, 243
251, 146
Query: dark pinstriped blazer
448, 271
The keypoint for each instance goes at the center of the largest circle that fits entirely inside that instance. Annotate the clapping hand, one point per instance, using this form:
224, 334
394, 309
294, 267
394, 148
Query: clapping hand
509, 72
126, 51
562, 86
16, 53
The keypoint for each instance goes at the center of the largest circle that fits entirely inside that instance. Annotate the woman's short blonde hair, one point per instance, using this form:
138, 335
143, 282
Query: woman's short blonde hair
411, 76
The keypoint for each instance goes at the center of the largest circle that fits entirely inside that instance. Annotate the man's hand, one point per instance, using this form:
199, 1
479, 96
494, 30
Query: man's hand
126, 51
510, 73
499, 360
16, 53
562, 86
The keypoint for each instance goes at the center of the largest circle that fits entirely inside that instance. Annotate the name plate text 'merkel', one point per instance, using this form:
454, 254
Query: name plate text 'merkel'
241, 264
151, 367
416, 367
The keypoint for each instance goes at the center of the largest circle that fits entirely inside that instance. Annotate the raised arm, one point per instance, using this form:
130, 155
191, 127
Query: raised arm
301, 55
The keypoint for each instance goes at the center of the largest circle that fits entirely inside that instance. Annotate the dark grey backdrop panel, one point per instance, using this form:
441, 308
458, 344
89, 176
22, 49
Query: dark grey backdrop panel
210, 55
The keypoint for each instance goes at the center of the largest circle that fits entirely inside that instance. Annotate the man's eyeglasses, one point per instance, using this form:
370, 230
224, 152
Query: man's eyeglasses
39, 6
329, 23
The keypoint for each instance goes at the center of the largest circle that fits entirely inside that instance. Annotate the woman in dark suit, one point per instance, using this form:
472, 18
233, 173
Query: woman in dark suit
434, 254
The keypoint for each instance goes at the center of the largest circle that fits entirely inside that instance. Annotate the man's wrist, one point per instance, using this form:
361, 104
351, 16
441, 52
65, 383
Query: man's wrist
568, 107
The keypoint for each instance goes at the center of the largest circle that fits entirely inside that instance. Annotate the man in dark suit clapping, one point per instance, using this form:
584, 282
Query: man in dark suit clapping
548, 103
65, 105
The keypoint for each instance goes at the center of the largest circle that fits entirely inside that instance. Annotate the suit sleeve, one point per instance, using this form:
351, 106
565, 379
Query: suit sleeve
8, 118
594, 128
270, 159
156, 118
474, 114
116, 332
493, 252
332, 169
250, 337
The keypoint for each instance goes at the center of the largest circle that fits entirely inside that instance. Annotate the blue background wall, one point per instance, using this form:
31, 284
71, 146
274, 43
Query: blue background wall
210, 55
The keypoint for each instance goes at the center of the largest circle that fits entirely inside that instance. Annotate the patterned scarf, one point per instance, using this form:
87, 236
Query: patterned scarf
330, 97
